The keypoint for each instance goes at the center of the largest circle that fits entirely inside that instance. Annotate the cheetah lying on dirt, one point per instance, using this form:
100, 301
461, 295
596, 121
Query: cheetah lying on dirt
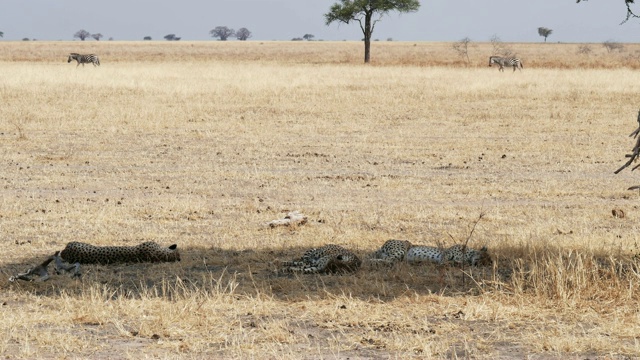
457, 254
76, 253
398, 250
146, 252
326, 259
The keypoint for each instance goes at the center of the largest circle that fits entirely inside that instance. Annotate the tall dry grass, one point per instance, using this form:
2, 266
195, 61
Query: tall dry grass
534, 55
200, 144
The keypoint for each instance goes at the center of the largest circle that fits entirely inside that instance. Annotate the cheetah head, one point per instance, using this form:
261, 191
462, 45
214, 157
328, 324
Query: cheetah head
481, 257
344, 263
174, 255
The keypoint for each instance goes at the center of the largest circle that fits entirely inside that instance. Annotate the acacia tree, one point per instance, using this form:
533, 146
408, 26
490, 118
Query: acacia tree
82, 34
97, 36
243, 34
462, 49
171, 37
630, 12
362, 11
222, 32
544, 32
499, 48
308, 37
1, 34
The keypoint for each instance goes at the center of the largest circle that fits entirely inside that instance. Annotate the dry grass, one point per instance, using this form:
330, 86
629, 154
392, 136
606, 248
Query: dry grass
200, 144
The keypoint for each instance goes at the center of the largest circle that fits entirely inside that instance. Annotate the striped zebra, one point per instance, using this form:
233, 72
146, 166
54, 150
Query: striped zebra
502, 62
84, 59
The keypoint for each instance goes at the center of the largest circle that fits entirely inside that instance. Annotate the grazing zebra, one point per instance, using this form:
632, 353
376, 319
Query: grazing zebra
502, 62
84, 59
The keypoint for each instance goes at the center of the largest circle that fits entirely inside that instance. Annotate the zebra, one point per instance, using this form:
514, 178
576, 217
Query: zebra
502, 62
84, 59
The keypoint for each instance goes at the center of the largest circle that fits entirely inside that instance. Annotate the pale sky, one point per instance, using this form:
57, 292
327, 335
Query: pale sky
437, 20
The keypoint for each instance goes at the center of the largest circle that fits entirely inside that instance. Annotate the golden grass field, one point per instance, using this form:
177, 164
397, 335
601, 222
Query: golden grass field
202, 143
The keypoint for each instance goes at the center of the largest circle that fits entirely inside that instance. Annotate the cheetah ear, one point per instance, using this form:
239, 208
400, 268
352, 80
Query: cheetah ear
173, 247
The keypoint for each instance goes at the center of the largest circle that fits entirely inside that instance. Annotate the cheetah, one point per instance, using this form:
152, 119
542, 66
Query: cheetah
421, 253
326, 259
392, 251
457, 254
76, 253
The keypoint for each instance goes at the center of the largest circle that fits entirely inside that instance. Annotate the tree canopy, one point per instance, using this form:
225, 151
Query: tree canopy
222, 32
362, 12
544, 32
82, 34
243, 34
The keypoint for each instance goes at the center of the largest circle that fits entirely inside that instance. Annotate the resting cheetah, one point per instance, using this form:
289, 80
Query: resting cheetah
326, 259
425, 253
392, 251
455, 254
77, 253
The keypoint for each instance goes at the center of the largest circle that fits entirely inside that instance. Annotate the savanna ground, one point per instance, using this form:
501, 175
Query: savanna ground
202, 143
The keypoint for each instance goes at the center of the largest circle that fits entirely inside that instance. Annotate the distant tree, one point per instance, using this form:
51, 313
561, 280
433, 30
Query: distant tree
611, 45
1, 34
389, 39
362, 11
308, 37
222, 33
243, 34
82, 34
171, 37
147, 38
544, 32
111, 38
97, 36
584, 49
25, 39
297, 39
499, 48
462, 49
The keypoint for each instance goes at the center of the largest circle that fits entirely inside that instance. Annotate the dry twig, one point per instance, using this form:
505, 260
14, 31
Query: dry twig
634, 153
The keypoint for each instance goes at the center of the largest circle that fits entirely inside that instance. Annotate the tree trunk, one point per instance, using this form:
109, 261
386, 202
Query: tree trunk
367, 50
367, 36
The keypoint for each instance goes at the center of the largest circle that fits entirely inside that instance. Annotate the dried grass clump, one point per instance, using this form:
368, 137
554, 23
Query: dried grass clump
570, 277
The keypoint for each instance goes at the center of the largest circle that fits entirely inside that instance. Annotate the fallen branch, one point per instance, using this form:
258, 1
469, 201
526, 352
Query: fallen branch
635, 152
